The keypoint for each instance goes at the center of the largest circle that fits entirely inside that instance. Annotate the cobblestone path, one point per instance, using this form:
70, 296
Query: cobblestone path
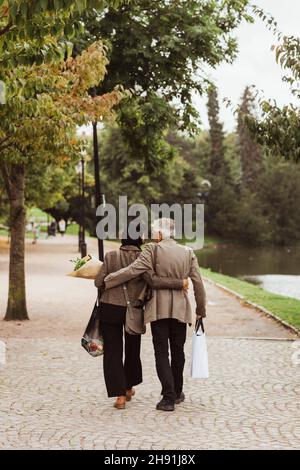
53, 395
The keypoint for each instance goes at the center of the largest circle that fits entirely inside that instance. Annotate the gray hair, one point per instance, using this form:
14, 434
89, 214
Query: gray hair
164, 226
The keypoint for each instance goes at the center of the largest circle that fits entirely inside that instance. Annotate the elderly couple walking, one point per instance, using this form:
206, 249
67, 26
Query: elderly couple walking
123, 282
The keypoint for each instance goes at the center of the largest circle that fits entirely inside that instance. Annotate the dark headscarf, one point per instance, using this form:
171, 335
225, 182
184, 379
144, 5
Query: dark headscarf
131, 242
127, 240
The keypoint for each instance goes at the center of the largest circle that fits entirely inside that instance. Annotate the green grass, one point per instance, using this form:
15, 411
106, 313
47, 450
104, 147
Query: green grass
286, 308
72, 229
43, 231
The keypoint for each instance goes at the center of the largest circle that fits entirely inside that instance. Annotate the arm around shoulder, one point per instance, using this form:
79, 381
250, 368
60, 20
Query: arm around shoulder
142, 264
162, 282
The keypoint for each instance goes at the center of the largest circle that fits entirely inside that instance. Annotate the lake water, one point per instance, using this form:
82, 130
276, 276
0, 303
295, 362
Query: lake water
275, 269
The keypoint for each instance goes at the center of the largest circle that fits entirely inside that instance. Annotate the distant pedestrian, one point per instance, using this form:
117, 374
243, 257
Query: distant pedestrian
52, 229
35, 232
62, 227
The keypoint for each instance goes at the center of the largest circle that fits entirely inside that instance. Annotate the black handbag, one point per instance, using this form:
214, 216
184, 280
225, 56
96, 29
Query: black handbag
92, 340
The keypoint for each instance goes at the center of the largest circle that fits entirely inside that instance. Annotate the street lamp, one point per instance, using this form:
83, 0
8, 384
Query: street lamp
80, 167
78, 172
99, 198
83, 243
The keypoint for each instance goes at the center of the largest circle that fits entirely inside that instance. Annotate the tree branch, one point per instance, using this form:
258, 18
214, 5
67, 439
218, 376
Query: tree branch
20, 150
4, 147
6, 29
4, 140
4, 144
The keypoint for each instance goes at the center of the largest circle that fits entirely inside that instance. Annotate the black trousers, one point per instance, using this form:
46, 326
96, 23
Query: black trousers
120, 376
165, 332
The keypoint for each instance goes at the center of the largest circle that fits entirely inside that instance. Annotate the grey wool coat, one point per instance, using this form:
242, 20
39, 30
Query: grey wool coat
136, 287
172, 260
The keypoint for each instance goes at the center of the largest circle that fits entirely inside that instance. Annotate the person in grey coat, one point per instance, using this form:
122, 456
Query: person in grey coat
168, 311
120, 309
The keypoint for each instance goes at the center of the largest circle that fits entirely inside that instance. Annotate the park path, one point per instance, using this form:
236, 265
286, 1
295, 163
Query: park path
53, 395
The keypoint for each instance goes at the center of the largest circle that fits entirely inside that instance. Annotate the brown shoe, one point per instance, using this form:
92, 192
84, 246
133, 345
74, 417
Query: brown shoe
129, 394
120, 402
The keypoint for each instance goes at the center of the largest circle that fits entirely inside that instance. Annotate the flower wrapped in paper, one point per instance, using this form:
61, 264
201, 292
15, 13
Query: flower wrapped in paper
86, 268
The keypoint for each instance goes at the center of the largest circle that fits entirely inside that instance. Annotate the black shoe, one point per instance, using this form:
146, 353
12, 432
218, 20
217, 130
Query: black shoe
180, 398
165, 405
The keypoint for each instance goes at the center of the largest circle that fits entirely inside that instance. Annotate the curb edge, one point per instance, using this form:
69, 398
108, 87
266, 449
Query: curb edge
255, 306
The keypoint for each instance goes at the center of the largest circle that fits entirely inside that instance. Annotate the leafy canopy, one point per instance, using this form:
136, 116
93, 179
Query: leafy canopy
36, 31
278, 129
40, 122
159, 49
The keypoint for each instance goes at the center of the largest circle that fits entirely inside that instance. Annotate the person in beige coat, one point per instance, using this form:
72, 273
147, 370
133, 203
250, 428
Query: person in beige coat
121, 316
168, 311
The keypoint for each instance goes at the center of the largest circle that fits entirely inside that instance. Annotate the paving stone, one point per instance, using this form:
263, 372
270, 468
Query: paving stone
53, 394
251, 406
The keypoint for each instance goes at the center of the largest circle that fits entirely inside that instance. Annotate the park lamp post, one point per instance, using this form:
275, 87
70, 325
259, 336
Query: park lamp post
99, 197
80, 170
83, 242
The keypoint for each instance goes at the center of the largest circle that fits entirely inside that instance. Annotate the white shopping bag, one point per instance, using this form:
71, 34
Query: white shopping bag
199, 366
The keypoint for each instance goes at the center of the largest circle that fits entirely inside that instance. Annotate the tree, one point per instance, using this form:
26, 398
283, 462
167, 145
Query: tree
193, 151
221, 202
233, 158
123, 174
278, 129
279, 197
45, 182
250, 151
39, 124
158, 50
36, 19
33, 33
68, 203
217, 152
41, 31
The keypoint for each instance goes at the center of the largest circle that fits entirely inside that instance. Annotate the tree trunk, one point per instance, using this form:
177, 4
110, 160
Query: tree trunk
16, 306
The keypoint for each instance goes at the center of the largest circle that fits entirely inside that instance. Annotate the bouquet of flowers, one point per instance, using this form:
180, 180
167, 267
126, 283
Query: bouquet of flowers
86, 268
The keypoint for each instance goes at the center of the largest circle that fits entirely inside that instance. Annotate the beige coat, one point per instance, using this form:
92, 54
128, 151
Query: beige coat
136, 287
172, 260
